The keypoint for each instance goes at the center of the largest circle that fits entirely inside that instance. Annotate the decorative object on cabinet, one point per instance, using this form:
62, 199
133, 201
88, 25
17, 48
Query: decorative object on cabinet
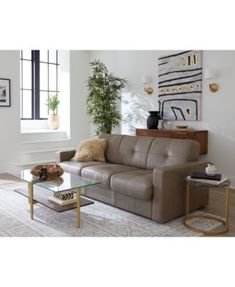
152, 120
200, 136
181, 127
167, 124
180, 86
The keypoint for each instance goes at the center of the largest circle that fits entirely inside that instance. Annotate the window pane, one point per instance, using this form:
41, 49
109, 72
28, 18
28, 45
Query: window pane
43, 105
44, 55
26, 54
52, 77
27, 104
43, 76
52, 56
27, 74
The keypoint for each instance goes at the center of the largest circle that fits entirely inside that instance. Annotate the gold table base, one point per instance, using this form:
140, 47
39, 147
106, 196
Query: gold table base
224, 220
210, 217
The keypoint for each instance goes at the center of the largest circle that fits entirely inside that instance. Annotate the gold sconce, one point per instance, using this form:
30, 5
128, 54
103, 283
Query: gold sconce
213, 86
147, 87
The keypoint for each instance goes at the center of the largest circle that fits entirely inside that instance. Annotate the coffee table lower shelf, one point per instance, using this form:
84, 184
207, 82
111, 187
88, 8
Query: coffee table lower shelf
44, 200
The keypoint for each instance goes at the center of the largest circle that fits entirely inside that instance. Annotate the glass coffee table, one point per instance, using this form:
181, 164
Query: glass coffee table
66, 184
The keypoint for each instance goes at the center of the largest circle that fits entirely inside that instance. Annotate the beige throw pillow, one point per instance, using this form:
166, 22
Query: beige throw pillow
91, 149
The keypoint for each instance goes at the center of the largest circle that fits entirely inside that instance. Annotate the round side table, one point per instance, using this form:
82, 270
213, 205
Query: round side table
192, 183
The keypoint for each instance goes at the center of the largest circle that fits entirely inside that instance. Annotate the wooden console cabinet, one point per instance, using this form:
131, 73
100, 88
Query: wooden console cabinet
200, 136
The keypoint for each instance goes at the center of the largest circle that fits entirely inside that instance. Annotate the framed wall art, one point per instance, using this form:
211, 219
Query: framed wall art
5, 92
180, 86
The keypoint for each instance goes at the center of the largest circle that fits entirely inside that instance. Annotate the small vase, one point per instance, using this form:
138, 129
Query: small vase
152, 120
53, 122
211, 169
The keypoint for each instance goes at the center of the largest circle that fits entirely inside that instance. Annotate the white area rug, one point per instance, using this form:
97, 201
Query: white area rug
97, 220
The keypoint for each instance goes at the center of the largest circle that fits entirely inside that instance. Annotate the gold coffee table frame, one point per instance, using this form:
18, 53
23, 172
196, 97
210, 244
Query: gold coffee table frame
32, 201
68, 182
224, 220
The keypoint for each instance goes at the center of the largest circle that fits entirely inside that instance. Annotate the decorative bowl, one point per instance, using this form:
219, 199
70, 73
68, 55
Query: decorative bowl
181, 127
53, 170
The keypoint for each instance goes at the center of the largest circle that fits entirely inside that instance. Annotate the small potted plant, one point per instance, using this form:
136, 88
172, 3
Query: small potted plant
53, 117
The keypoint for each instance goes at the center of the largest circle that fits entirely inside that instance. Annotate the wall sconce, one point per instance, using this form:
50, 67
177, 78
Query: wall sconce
213, 86
146, 81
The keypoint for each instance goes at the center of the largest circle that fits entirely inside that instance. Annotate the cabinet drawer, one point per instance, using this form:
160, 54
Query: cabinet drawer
182, 135
153, 133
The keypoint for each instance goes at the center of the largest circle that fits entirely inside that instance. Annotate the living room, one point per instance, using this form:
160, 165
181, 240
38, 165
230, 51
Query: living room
30, 142
142, 186
216, 109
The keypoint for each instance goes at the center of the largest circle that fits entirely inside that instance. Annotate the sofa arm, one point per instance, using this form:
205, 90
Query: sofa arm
169, 191
64, 155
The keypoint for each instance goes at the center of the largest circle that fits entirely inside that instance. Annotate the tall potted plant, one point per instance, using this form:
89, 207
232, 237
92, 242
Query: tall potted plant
53, 117
104, 93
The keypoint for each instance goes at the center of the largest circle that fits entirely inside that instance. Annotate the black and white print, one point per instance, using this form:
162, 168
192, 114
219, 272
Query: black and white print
180, 86
5, 95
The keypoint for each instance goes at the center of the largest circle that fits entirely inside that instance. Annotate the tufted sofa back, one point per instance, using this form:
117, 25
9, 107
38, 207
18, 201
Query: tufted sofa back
149, 152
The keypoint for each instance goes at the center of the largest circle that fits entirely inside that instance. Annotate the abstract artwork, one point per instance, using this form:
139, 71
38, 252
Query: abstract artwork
5, 95
180, 86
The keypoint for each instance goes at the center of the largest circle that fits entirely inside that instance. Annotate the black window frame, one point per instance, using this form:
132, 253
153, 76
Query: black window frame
35, 82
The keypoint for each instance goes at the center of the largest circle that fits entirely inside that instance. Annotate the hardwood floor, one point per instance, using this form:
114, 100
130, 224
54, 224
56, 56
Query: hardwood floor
216, 205
6, 176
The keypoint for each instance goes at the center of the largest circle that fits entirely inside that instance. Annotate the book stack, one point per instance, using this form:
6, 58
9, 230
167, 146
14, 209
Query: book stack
203, 177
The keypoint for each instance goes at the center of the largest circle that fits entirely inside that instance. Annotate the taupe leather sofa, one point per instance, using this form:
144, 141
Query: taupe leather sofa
143, 175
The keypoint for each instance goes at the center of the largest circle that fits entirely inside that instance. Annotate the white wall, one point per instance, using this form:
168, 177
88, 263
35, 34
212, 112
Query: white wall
79, 68
218, 115
9, 116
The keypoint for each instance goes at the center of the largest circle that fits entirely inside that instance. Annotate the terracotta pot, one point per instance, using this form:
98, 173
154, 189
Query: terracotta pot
53, 122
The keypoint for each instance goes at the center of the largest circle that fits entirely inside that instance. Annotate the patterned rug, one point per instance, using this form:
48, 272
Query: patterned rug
97, 220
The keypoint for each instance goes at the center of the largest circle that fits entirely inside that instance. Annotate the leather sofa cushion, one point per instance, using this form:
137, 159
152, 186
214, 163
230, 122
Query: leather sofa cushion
136, 183
104, 172
76, 167
133, 151
128, 150
167, 151
113, 143
149, 152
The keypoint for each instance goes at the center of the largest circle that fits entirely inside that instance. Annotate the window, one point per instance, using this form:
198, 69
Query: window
39, 79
